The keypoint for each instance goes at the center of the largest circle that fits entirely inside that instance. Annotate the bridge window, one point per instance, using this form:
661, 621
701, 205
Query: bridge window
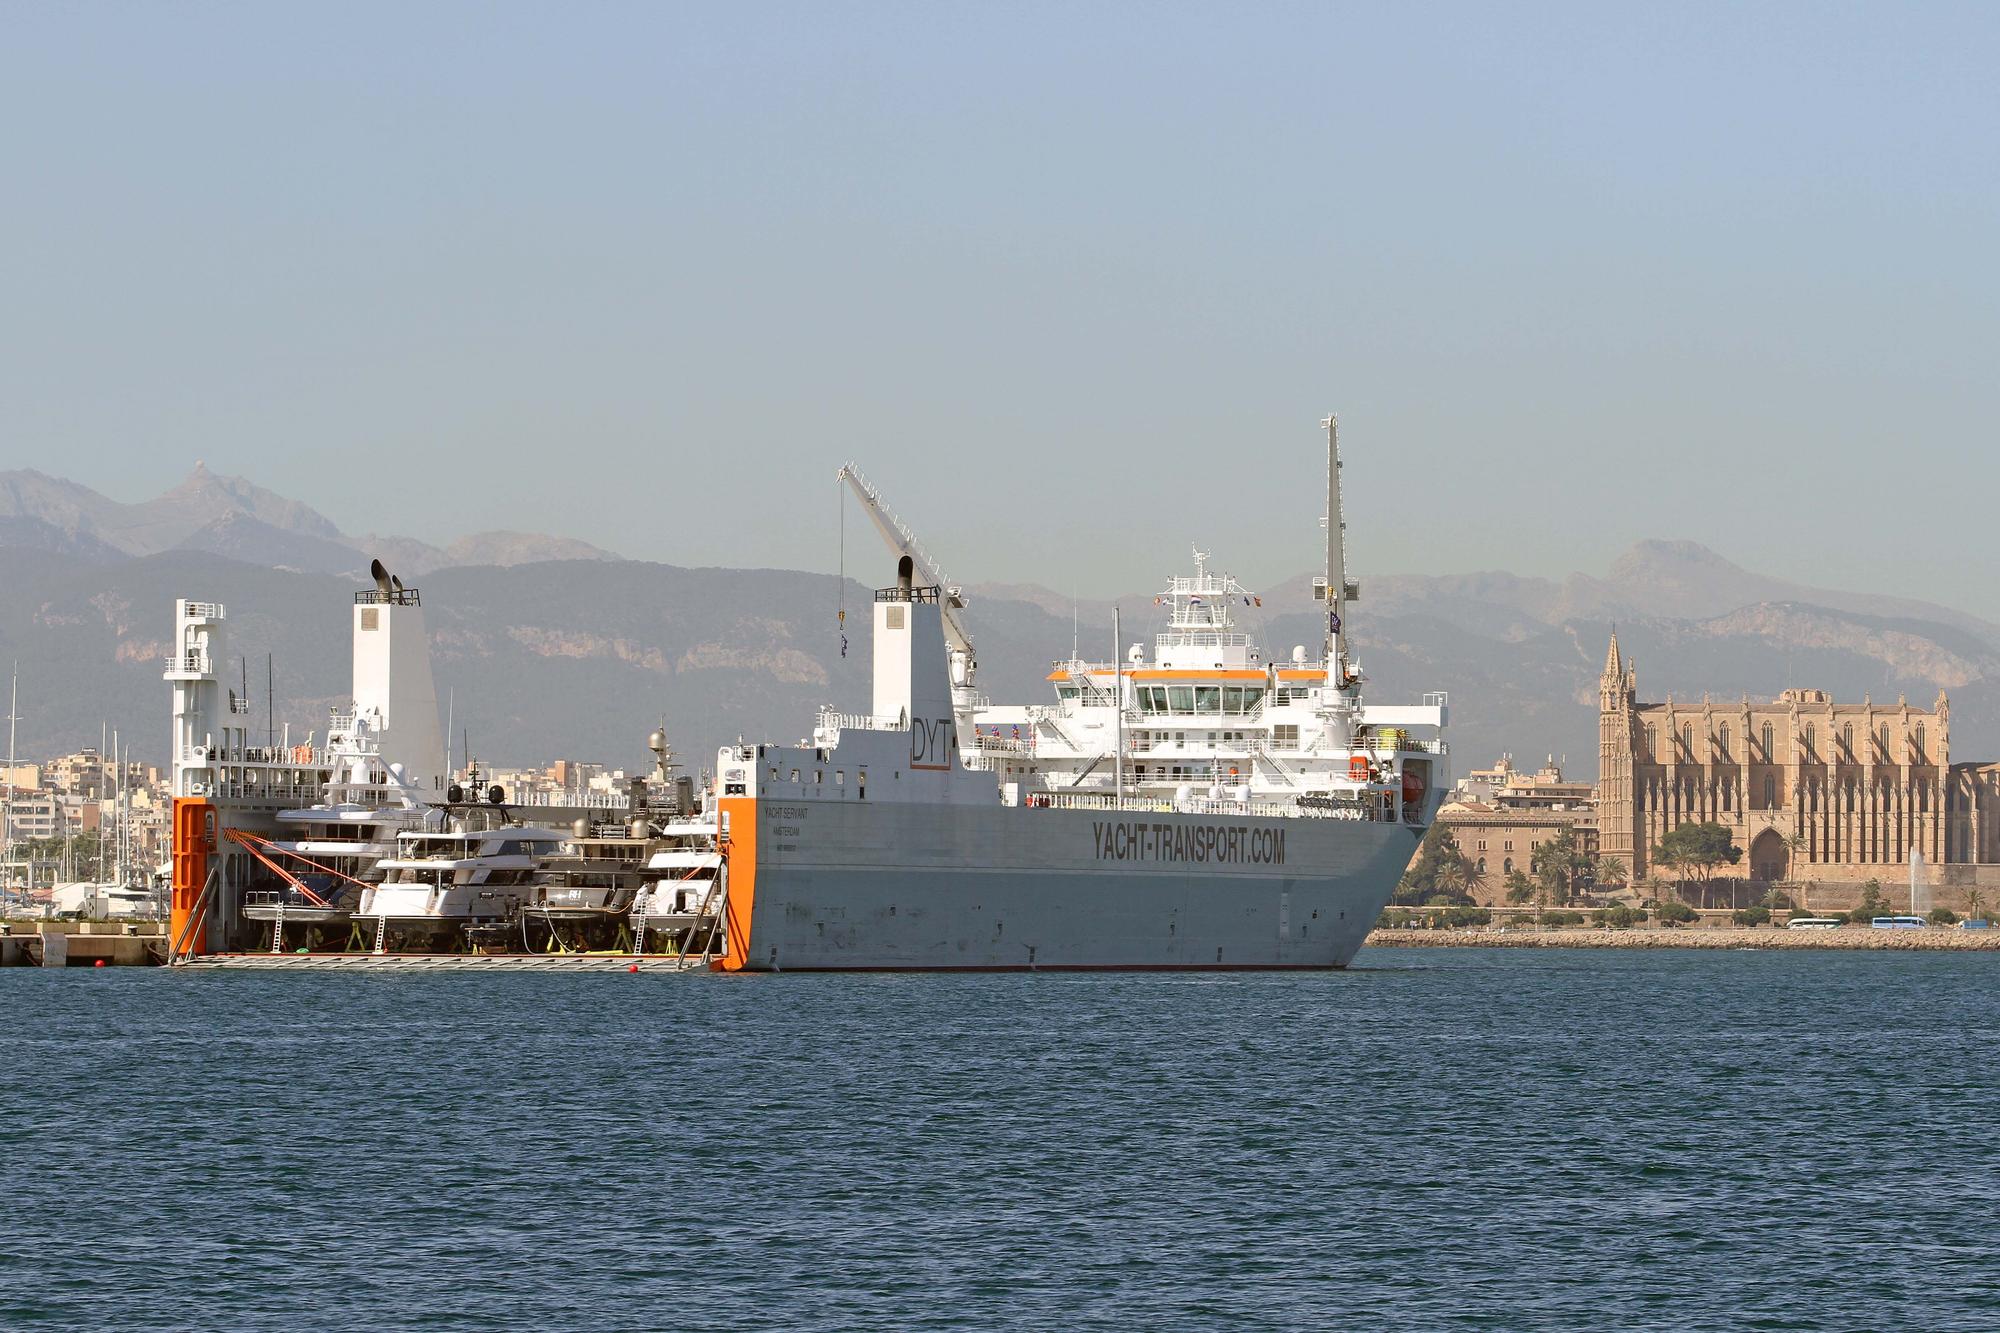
1182, 698
1286, 735
1208, 698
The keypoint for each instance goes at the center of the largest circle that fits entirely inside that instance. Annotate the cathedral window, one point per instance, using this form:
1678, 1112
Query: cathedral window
1918, 746
1652, 741
1687, 739
1882, 738
1847, 740
1722, 739
1767, 744
1770, 789
1812, 742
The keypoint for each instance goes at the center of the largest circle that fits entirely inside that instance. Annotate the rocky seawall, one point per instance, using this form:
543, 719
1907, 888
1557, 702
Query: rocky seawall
1761, 937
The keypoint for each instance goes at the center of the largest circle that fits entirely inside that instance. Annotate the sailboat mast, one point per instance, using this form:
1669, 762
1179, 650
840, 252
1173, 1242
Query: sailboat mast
7, 811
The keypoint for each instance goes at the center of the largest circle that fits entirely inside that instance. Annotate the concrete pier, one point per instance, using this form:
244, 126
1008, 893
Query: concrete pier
82, 944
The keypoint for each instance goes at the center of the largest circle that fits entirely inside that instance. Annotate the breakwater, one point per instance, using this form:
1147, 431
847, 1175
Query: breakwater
1746, 937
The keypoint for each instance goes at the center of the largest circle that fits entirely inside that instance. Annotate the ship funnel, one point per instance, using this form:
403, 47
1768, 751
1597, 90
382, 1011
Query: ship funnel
905, 568
377, 572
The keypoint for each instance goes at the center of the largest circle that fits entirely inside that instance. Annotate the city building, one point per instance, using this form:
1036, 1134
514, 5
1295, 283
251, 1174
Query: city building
1499, 816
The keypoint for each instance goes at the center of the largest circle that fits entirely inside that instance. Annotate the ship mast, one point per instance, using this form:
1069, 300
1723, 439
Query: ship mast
1335, 590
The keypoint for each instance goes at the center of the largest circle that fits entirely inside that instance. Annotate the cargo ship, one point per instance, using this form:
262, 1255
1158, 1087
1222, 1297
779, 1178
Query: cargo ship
1198, 806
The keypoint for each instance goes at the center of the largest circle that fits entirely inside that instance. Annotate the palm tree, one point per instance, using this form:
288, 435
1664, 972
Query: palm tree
1612, 872
1453, 878
1975, 905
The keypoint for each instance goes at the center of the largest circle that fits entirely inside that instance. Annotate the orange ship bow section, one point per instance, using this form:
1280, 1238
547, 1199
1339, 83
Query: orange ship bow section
194, 841
739, 856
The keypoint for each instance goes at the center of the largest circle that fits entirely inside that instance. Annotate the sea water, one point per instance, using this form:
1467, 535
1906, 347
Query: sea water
1505, 1139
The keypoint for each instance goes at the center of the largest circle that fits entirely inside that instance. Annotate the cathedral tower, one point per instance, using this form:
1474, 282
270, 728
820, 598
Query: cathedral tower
1617, 692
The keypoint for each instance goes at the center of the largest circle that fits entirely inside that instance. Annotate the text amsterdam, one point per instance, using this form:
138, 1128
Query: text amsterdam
1199, 844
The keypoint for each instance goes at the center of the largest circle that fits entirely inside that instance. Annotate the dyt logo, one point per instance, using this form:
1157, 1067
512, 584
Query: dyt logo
931, 743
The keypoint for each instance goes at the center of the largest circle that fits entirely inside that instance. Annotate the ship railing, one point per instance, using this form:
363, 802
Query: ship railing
394, 597
192, 663
587, 799
1303, 808
1004, 744
1377, 743
206, 610
835, 721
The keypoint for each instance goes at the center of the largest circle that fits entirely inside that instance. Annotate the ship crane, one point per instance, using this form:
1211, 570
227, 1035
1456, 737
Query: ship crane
924, 570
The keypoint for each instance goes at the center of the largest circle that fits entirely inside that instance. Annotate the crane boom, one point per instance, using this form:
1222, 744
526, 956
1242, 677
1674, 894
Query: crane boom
902, 542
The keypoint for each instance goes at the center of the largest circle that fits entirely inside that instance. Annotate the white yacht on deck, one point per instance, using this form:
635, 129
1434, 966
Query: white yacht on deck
468, 879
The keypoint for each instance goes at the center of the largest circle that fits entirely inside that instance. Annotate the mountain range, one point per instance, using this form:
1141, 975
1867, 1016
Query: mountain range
229, 516
547, 647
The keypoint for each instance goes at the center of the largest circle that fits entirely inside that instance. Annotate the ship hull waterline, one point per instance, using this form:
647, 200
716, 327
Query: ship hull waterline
837, 886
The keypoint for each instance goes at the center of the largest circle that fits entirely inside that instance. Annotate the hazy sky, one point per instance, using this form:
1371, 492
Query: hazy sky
1074, 284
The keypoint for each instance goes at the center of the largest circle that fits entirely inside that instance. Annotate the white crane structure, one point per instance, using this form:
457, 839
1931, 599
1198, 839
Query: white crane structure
924, 571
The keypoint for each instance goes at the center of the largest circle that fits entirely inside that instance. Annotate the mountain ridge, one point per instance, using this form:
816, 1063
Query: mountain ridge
581, 656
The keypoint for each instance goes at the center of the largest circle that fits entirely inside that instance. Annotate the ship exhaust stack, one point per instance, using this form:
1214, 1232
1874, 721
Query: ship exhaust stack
912, 673
393, 687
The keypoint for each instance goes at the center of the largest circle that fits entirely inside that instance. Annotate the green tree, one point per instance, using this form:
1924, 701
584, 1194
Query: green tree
1520, 889
1943, 916
1612, 873
1438, 868
1676, 914
1697, 851
1975, 905
1872, 903
1560, 865
1753, 916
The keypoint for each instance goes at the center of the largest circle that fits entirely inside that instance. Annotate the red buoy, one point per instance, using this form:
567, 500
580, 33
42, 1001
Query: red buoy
633, 968
98, 963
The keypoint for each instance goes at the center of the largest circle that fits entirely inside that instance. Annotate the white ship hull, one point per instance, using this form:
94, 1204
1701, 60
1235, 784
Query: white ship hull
838, 885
